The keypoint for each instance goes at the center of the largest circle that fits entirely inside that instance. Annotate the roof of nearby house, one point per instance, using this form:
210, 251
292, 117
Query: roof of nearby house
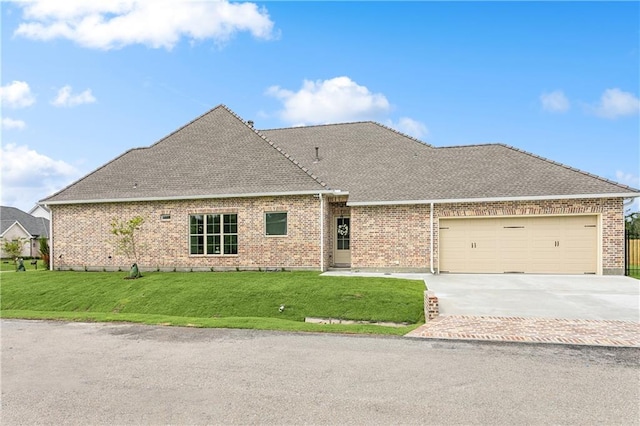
39, 207
33, 225
218, 154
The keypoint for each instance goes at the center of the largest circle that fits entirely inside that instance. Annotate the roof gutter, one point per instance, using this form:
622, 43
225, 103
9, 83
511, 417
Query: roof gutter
194, 197
494, 199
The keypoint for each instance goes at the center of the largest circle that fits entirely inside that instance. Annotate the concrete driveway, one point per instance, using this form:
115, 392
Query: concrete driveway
587, 297
591, 297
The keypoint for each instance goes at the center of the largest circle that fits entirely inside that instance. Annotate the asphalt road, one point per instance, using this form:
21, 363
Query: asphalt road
77, 373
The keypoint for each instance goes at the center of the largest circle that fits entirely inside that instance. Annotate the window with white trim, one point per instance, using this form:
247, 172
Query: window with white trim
275, 223
213, 234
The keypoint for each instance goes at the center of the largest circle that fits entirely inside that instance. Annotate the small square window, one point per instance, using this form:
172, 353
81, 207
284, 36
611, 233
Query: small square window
275, 223
165, 217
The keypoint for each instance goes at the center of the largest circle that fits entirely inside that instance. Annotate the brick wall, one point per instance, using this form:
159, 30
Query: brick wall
82, 234
383, 237
397, 237
390, 237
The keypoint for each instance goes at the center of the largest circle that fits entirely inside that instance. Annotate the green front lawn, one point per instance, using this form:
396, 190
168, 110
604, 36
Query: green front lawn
8, 265
215, 299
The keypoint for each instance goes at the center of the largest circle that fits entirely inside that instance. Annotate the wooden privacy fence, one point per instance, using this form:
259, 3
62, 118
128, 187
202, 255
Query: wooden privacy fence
634, 249
631, 255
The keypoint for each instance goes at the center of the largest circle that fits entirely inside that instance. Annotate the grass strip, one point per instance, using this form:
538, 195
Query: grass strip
242, 323
216, 299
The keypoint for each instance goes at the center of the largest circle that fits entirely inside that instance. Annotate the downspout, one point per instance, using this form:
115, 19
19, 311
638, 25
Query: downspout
50, 239
431, 237
321, 233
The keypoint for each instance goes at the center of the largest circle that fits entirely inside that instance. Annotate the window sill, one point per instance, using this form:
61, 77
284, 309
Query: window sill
213, 255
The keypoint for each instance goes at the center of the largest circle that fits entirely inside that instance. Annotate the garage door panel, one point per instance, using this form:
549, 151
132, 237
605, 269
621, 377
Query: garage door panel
513, 248
558, 244
455, 251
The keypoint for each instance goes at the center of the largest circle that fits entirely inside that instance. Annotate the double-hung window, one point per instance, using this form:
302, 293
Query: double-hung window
215, 234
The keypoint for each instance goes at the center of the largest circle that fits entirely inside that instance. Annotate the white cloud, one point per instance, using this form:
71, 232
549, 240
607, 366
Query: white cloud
555, 101
628, 179
112, 24
10, 123
66, 99
328, 101
16, 94
410, 127
615, 103
633, 181
28, 176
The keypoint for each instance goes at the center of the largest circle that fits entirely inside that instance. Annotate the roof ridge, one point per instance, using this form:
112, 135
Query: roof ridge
317, 125
277, 148
12, 207
191, 122
135, 149
402, 134
176, 131
557, 163
355, 122
621, 185
471, 145
75, 182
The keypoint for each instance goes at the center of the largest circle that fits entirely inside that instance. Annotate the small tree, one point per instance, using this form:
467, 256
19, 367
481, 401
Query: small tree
44, 251
126, 233
13, 248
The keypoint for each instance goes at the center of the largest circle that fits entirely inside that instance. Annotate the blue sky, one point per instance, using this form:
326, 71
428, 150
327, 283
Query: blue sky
82, 82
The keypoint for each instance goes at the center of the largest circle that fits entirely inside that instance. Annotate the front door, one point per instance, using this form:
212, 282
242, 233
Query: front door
342, 242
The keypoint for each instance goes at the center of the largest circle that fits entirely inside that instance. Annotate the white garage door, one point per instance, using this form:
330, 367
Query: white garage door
555, 245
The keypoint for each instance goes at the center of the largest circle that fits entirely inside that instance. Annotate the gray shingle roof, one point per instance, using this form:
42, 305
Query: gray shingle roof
376, 164
218, 154
34, 225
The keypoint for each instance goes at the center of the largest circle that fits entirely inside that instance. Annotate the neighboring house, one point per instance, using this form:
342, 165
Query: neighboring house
14, 223
40, 211
217, 194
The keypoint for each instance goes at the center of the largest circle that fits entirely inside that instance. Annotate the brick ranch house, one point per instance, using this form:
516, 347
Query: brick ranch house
218, 194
